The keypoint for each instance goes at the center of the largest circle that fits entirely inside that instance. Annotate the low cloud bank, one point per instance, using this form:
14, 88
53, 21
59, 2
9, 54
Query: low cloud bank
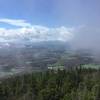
82, 37
26, 30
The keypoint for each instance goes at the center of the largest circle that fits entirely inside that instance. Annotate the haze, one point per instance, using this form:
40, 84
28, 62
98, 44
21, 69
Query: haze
74, 21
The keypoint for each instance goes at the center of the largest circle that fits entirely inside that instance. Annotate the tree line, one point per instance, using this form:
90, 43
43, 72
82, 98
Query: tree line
74, 84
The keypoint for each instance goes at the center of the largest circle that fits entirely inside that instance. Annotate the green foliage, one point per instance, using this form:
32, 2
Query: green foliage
76, 84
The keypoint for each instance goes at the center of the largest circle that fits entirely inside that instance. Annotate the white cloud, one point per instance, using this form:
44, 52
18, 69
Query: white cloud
87, 37
15, 22
33, 32
79, 37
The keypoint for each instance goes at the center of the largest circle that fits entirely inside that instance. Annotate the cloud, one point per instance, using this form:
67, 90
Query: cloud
36, 33
33, 32
86, 37
82, 37
15, 22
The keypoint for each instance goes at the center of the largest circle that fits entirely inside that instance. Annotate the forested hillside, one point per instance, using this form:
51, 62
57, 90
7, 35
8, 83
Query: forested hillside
74, 84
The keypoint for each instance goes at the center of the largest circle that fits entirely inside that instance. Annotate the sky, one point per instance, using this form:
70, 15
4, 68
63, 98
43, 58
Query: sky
77, 21
52, 13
